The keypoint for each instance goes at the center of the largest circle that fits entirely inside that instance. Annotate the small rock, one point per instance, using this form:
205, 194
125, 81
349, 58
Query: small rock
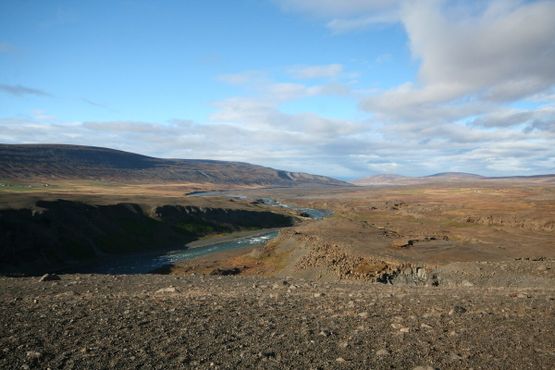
404, 330
459, 310
467, 283
363, 314
382, 352
49, 277
423, 368
542, 268
34, 355
318, 295
343, 344
425, 326
226, 271
340, 360
170, 289
269, 354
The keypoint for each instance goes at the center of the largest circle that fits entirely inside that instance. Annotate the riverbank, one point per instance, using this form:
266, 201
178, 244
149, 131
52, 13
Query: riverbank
59, 235
229, 237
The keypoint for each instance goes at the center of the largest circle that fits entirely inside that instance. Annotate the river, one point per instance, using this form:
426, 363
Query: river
148, 262
316, 214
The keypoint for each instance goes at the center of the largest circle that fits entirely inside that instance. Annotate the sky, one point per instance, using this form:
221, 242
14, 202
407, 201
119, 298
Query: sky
344, 88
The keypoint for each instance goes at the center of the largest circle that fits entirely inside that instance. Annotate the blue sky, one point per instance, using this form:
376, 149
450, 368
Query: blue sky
343, 88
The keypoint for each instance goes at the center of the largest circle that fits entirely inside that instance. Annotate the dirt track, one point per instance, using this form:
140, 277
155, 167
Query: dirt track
103, 321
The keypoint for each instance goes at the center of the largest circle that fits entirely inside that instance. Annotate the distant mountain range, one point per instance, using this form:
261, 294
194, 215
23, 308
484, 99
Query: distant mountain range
443, 177
51, 161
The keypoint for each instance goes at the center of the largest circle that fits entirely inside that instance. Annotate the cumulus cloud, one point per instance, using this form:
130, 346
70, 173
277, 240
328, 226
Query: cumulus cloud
541, 119
473, 56
506, 50
476, 64
19, 90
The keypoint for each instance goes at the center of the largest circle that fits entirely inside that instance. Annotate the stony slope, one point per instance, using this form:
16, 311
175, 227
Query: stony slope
49, 162
161, 322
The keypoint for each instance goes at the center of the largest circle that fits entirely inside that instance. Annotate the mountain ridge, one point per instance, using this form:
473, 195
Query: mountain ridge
455, 174
394, 179
63, 161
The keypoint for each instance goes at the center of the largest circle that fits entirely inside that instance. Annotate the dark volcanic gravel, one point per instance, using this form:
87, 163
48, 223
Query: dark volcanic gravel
162, 322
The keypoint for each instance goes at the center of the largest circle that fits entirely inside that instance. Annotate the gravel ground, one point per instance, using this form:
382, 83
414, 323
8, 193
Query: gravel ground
231, 322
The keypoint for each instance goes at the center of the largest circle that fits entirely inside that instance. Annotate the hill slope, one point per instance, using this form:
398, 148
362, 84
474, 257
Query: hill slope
445, 177
47, 161
455, 175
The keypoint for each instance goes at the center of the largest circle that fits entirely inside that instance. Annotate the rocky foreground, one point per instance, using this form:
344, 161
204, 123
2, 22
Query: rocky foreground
230, 322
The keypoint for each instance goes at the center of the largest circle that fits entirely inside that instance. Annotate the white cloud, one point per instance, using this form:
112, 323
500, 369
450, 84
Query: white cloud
258, 132
244, 78
264, 116
316, 71
344, 25
500, 55
508, 49
334, 8
346, 15
476, 65
263, 87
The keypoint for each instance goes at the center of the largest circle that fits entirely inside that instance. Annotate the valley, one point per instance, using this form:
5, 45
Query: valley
457, 272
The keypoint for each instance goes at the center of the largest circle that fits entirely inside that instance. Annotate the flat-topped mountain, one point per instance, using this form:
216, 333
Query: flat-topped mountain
50, 161
444, 177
